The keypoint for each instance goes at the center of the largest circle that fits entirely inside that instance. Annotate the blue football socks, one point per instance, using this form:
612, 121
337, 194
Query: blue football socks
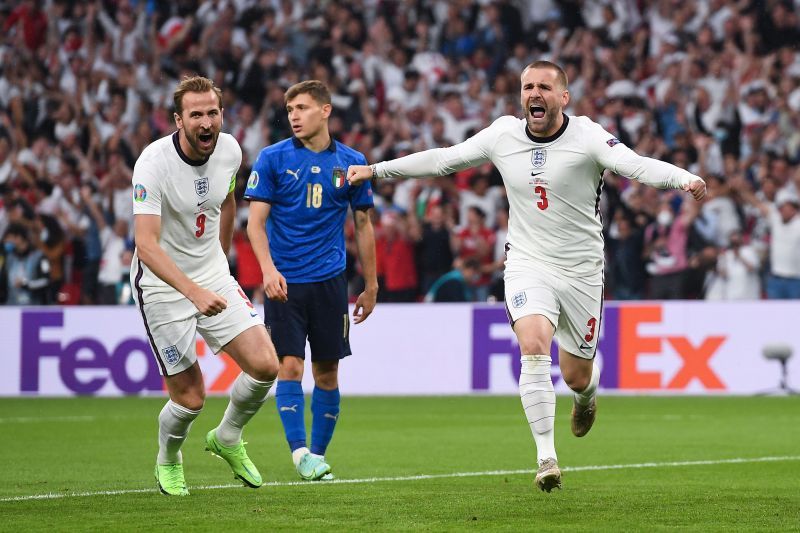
290, 403
325, 413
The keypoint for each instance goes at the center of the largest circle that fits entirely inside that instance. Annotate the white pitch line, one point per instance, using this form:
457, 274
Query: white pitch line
420, 477
36, 419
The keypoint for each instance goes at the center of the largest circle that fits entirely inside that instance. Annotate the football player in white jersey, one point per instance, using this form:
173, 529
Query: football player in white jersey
184, 212
552, 166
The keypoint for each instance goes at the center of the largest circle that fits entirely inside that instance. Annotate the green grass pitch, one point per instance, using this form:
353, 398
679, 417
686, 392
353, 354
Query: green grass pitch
434, 463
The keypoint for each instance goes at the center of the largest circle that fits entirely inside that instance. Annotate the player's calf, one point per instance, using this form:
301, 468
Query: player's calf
583, 417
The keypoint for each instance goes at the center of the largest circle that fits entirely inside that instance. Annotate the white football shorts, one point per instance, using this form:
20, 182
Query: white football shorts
172, 327
572, 305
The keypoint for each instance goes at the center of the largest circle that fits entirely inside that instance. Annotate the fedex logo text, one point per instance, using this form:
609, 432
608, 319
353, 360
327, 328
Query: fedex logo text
621, 350
93, 355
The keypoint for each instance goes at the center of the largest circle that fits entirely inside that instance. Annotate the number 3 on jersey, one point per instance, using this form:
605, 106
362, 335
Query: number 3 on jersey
542, 192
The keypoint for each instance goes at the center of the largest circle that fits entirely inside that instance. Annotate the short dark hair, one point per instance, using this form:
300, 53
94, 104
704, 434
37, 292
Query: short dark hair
315, 88
561, 76
472, 263
194, 84
18, 230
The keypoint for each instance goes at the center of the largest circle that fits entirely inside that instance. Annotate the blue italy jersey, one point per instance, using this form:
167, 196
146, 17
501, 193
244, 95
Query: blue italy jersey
309, 195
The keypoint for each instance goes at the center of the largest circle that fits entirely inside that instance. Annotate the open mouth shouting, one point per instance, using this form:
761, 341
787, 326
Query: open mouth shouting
536, 111
205, 140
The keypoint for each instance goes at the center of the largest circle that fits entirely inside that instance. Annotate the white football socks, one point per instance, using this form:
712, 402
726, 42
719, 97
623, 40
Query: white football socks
247, 396
174, 422
298, 455
584, 397
539, 402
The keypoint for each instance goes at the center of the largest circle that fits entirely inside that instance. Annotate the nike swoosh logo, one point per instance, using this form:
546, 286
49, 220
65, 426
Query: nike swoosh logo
536, 173
585, 347
201, 203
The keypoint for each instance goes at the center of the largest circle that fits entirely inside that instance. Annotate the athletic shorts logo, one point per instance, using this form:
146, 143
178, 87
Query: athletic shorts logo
252, 181
171, 355
538, 158
201, 186
613, 141
338, 177
519, 299
139, 193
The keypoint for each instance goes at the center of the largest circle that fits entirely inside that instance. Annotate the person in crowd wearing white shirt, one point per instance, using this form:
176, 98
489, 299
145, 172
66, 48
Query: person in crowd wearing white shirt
783, 281
737, 273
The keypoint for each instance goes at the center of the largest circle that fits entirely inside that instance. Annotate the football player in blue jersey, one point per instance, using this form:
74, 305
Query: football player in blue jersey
299, 199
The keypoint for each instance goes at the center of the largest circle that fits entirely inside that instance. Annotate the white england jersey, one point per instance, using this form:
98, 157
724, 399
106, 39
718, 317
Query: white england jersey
188, 196
553, 186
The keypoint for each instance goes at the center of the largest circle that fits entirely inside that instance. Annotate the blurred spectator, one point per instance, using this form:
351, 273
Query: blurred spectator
53, 245
26, 268
476, 241
625, 247
112, 245
784, 224
395, 259
665, 248
29, 23
434, 251
481, 194
736, 276
456, 285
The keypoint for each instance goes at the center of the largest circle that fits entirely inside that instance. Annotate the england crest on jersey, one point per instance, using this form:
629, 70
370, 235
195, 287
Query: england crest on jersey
171, 355
338, 177
201, 186
519, 299
538, 158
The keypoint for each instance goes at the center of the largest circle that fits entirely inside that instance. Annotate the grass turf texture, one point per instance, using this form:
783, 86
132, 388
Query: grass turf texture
69, 446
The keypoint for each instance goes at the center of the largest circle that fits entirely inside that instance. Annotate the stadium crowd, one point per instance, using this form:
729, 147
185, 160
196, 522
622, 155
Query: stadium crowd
709, 85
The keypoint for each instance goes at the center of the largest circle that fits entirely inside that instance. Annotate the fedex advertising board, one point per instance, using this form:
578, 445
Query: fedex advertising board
644, 347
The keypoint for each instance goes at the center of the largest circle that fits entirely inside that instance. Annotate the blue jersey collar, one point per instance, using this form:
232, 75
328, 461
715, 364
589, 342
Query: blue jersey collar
299, 144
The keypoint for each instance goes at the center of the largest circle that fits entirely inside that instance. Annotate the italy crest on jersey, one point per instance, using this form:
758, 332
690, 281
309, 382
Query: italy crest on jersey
538, 158
338, 177
201, 186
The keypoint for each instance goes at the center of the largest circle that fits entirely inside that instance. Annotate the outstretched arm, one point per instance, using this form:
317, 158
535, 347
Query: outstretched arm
435, 162
657, 173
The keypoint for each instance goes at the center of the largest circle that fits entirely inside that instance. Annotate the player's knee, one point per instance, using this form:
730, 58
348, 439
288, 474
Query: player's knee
193, 400
533, 347
577, 381
266, 370
327, 381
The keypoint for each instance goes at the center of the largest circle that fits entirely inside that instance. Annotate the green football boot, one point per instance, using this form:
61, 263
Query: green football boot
313, 468
170, 480
236, 457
